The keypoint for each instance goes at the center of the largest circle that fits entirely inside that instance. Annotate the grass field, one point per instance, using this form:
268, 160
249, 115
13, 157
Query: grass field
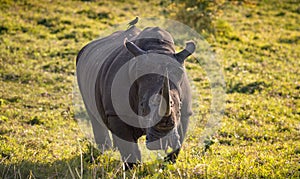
256, 43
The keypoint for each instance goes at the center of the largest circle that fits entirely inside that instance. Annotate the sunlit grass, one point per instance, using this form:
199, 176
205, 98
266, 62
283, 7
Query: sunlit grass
257, 44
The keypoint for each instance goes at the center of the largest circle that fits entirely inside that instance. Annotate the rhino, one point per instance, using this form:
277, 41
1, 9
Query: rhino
133, 83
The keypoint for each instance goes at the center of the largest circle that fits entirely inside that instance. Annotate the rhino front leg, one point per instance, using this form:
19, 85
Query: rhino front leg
130, 152
172, 157
124, 139
182, 129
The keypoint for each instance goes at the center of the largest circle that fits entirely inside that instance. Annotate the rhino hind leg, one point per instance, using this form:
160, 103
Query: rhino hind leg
101, 136
101, 133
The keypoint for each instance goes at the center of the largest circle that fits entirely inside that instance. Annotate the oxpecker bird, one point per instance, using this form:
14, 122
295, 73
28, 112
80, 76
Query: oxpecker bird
133, 22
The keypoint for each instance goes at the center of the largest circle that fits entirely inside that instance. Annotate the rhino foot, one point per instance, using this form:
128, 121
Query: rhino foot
129, 166
172, 157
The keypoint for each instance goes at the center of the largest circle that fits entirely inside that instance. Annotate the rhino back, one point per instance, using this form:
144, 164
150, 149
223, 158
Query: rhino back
90, 61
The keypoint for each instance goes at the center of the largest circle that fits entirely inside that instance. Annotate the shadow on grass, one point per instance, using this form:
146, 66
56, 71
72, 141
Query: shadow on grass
90, 164
87, 165
250, 88
71, 168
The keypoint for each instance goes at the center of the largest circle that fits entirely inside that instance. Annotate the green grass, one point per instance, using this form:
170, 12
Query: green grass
257, 45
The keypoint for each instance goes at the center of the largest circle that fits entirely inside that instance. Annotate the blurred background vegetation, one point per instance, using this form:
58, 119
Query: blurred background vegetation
256, 43
199, 14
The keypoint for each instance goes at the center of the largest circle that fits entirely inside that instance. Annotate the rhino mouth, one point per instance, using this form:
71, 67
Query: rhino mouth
161, 140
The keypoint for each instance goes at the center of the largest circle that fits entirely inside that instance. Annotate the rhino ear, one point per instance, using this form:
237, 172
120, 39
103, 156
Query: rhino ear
189, 49
132, 48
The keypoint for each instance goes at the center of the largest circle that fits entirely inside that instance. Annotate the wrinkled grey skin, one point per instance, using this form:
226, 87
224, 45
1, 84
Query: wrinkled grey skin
101, 60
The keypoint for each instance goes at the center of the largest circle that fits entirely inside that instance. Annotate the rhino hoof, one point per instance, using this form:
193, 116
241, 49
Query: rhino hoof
172, 157
129, 166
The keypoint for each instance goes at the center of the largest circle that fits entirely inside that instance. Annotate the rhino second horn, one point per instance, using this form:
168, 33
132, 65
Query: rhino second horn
164, 106
189, 49
132, 48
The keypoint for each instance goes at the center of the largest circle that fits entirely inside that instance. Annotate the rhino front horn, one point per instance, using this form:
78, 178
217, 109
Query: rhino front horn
164, 106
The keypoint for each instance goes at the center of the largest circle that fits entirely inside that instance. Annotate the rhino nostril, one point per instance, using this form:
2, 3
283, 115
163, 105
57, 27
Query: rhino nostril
166, 125
171, 122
